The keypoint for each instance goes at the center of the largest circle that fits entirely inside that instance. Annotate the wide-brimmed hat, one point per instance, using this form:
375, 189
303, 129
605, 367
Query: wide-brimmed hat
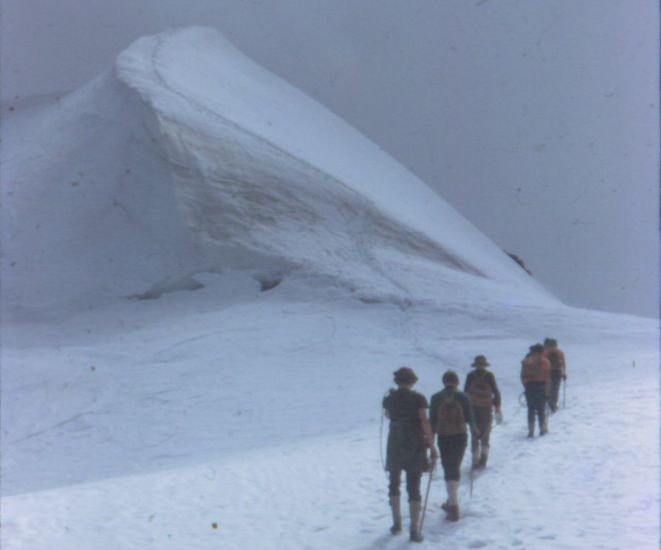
405, 375
480, 361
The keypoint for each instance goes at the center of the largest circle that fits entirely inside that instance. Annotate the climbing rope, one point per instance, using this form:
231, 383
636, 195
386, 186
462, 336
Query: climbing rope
522, 404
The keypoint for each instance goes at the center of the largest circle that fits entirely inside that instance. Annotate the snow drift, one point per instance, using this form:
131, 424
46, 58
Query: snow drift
187, 157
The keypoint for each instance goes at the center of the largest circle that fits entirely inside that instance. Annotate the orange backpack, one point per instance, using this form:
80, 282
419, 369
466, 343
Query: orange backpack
532, 369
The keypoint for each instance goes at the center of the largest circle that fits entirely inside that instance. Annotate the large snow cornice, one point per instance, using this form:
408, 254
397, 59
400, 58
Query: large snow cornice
190, 158
200, 84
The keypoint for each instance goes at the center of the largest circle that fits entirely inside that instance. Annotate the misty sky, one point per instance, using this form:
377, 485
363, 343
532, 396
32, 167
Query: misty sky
537, 119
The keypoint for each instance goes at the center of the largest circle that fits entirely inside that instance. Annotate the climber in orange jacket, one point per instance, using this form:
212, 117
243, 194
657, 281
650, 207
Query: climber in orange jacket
536, 379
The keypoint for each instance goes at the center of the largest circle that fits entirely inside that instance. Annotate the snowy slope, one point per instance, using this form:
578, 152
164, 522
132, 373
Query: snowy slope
260, 411
208, 280
187, 158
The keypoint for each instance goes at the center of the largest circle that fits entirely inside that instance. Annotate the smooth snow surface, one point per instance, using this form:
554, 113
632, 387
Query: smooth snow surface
208, 281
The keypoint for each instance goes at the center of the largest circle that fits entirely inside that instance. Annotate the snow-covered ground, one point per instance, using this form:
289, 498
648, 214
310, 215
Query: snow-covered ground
260, 413
208, 281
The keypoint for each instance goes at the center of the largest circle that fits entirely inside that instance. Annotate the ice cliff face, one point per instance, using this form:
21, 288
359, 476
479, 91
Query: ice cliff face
188, 157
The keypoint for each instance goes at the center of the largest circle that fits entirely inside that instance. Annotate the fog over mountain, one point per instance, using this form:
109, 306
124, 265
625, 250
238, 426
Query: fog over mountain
537, 121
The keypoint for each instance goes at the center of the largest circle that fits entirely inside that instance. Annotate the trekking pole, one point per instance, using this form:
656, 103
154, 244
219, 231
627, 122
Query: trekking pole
383, 414
424, 507
383, 464
472, 478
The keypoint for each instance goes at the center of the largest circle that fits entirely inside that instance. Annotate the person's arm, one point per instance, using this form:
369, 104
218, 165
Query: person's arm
546, 369
433, 413
426, 431
496, 399
467, 384
426, 427
523, 373
468, 411
496, 391
563, 364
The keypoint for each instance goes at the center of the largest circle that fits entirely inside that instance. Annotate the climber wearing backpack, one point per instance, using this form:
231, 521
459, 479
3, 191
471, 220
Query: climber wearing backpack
409, 437
449, 413
484, 396
556, 358
536, 379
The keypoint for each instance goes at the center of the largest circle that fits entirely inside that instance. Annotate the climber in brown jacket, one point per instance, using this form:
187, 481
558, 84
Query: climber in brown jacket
484, 396
558, 364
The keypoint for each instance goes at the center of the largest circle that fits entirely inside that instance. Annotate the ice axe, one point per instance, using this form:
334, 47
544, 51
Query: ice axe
424, 507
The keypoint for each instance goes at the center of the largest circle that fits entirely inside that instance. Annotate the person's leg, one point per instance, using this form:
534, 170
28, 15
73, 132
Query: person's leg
541, 411
480, 415
475, 450
413, 486
485, 439
415, 504
555, 392
394, 482
530, 402
444, 451
456, 449
393, 493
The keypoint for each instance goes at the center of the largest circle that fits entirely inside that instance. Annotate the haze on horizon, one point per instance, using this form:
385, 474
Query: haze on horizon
537, 121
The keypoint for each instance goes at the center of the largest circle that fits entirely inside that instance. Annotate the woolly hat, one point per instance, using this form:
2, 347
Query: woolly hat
450, 378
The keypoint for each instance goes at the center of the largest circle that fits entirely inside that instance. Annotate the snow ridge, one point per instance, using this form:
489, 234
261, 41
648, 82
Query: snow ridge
190, 158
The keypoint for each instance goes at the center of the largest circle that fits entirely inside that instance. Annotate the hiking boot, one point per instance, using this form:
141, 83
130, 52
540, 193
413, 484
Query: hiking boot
396, 516
452, 513
395, 529
415, 535
483, 462
531, 429
452, 507
445, 506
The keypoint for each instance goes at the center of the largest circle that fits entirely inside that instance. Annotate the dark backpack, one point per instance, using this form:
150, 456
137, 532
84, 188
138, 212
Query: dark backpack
450, 419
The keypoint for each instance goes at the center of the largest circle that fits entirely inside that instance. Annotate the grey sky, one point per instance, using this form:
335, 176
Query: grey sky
537, 119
